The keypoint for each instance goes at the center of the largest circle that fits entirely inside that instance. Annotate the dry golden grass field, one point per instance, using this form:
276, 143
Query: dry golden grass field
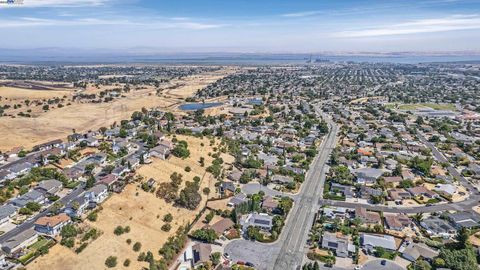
59, 122
140, 210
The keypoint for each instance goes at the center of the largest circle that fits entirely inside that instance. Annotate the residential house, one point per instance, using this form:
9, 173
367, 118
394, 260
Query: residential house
412, 251
74, 173
221, 226
77, 207
237, 199
160, 151
282, 179
399, 194
367, 217
446, 190
347, 191
227, 189
120, 170
31, 196
97, 194
52, 226
269, 204
340, 244
108, 180
422, 191
201, 254
235, 176
47, 145
19, 168
407, 174
397, 222
263, 221
20, 241
49, 187
464, 220
372, 241
438, 227
367, 175
7, 211
334, 212
393, 180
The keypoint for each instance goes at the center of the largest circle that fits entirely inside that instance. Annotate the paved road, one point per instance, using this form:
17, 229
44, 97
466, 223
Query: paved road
30, 223
377, 265
294, 234
441, 158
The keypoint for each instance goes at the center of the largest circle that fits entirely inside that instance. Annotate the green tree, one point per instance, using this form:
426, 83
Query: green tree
111, 261
215, 257
137, 246
207, 235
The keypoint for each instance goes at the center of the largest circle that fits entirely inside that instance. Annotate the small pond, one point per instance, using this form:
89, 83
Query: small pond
198, 106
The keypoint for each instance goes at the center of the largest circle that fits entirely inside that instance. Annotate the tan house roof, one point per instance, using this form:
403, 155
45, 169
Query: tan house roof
53, 220
222, 225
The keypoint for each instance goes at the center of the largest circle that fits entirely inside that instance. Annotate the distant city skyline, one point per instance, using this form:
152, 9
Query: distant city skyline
243, 26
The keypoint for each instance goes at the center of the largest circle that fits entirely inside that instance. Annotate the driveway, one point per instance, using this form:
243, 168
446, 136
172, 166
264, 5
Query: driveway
377, 265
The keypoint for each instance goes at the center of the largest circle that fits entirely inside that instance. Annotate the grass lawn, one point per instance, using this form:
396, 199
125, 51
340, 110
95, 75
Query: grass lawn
40, 243
72, 184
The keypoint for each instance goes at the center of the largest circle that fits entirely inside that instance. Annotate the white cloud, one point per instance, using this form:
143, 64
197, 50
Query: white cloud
152, 23
450, 23
302, 14
61, 3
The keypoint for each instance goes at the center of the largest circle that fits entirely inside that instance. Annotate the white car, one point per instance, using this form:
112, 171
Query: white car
358, 267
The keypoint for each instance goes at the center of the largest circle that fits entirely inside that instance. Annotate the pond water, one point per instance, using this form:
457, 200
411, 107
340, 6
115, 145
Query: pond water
198, 106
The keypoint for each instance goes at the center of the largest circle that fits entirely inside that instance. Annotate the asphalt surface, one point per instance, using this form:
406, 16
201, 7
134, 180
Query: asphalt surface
30, 223
377, 265
254, 188
299, 221
441, 158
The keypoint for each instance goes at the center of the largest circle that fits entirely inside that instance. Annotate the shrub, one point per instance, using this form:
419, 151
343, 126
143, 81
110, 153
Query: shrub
126, 263
137, 246
129, 241
168, 218
69, 230
118, 230
188, 169
92, 216
81, 248
166, 227
209, 216
111, 261
68, 242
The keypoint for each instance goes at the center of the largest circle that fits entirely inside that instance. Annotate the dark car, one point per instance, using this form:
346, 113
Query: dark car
249, 264
383, 262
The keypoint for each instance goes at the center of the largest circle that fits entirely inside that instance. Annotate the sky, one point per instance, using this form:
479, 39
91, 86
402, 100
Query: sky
293, 26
